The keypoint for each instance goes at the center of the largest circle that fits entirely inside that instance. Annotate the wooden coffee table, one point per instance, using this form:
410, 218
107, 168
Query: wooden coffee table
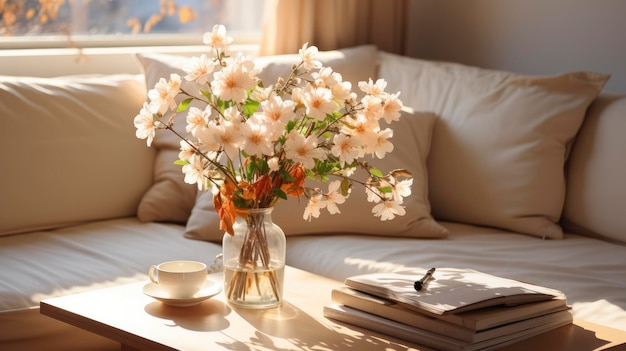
138, 322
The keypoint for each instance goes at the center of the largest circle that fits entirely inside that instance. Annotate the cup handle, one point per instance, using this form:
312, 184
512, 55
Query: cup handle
152, 273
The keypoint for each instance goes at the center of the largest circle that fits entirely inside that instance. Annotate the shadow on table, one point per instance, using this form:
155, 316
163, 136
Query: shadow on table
301, 330
566, 338
209, 315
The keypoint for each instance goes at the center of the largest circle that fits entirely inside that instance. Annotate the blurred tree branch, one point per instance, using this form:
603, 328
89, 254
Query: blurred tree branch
36, 13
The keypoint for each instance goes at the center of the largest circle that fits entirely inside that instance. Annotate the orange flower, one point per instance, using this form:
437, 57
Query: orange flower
296, 187
263, 186
225, 207
249, 191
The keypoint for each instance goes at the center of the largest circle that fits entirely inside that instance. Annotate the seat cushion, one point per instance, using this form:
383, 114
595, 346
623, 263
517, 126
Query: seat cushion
75, 259
89, 256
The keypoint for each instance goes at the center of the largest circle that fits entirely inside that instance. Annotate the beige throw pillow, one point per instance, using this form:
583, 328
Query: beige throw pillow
170, 199
501, 141
411, 139
70, 154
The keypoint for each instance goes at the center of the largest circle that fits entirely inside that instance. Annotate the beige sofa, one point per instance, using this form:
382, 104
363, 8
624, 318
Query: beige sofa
502, 163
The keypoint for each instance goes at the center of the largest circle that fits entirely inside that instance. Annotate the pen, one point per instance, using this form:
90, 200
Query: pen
418, 285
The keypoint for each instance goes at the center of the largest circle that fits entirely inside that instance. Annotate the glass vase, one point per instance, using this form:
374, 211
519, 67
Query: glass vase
254, 260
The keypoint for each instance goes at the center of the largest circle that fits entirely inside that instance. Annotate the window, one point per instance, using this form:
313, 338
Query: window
101, 23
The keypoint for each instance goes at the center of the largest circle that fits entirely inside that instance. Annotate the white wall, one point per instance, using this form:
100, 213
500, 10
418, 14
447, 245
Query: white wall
525, 36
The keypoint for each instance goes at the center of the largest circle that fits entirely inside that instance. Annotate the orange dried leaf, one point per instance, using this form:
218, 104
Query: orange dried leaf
186, 14
30, 13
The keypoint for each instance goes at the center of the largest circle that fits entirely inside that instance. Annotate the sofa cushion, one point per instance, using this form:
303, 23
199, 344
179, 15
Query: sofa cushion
355, 64
411, 140
85, 257
501, 142
596, 196
169, 199
70, 153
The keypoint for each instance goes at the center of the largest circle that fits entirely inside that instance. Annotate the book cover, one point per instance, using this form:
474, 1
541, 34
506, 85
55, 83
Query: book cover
440, 342
500, 320
451, 290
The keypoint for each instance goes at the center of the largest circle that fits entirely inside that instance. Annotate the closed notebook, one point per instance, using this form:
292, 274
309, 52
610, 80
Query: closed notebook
472, 326
451, 290
437, 341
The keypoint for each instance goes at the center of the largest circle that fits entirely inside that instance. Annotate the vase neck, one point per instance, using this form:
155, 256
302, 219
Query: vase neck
255, 214
254, 211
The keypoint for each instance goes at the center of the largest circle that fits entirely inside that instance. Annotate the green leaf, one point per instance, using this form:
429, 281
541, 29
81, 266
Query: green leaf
376, 172
250, 167
184, 105
222, 105
262, 166
239, 202
280, 194
385, 190
181, 162
327, 135
286, 176
250, 107
207, 94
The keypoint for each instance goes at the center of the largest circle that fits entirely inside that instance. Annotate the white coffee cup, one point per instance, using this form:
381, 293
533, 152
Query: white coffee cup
179, 279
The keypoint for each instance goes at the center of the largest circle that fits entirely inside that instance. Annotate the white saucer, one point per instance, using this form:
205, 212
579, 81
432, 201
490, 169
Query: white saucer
209, 290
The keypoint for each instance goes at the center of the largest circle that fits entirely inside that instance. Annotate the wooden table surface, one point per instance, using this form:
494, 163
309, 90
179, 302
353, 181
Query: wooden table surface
139, 322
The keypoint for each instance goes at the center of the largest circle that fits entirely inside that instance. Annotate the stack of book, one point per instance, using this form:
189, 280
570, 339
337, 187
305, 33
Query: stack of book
457, 309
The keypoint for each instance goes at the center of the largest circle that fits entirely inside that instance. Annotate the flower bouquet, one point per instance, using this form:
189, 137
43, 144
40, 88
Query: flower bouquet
254, 143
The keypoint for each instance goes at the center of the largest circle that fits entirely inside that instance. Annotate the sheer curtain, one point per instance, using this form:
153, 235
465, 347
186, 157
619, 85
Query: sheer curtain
333, 24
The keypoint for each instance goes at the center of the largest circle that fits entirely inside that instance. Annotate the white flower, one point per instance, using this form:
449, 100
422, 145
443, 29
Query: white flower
228, 136
186, 151
372, 107
308, 54
208, 137
313, 207
347, 172
163, 94
277, 113
388, 210
197, 120
273, 164
194, 172
402, 189
233, 81
332, 80
261, 94
382, 144
374, 89
325, 77
199, 68
303, 150
342, 91
391, 108
318, 102
373, 194
346, 148
144, 122
217, 38
255, 137
334, 197
365, 130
